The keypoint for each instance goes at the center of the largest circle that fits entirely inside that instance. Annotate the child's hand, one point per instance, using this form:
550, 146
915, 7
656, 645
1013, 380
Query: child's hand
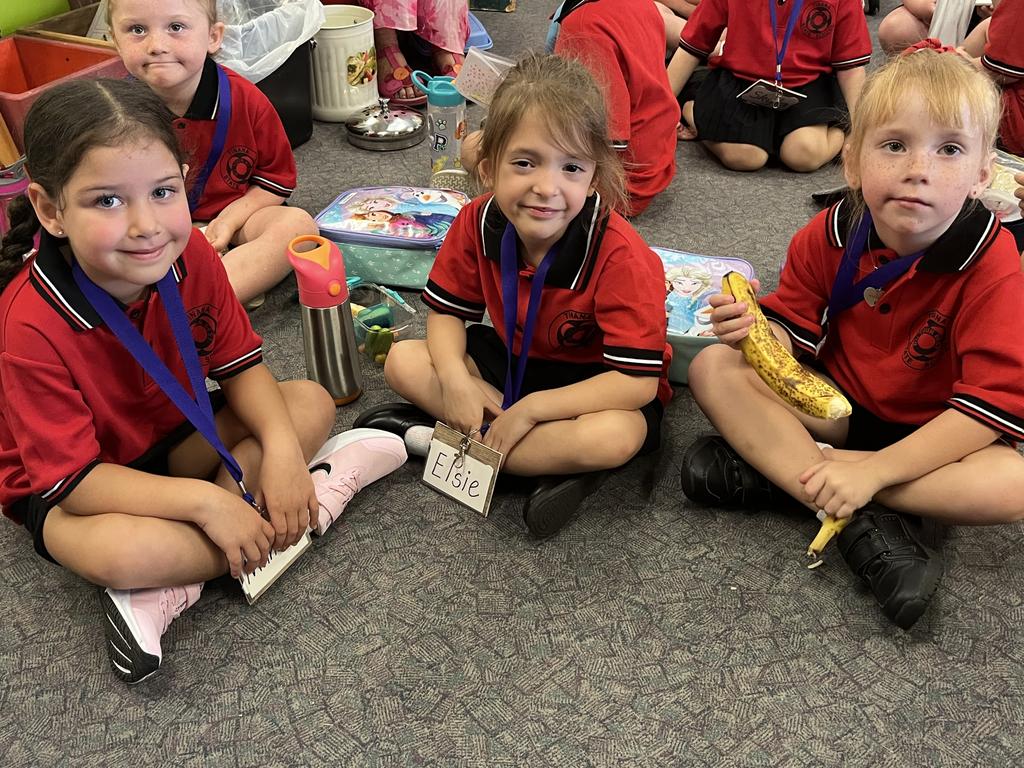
219, 233
730, 320
509, 427
840, 487
240, 532
286, 492
466, 404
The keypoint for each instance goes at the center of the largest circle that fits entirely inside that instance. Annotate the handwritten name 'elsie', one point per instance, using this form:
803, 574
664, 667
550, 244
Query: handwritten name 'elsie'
458, 478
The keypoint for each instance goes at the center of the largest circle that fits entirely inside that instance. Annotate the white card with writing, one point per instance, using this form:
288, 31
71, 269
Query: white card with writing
461, 468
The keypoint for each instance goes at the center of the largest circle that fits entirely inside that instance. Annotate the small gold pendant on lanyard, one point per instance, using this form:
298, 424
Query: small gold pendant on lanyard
872, 295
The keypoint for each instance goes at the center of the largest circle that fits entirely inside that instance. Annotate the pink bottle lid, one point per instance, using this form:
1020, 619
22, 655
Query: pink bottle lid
319, 270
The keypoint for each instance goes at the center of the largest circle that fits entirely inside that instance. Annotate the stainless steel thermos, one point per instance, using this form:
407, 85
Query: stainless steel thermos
328, 337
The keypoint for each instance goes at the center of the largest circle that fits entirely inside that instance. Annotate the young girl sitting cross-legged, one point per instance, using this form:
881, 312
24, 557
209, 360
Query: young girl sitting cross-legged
107, 334
574, 293
907, 295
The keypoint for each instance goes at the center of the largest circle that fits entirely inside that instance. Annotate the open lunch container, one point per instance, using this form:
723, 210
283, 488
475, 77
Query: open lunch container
380, 317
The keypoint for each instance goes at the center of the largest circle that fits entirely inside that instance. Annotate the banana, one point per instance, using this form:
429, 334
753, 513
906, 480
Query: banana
779, 369
830, 527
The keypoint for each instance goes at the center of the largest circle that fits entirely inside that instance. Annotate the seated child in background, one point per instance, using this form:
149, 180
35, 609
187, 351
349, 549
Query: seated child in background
167, 45
620, 42
96, 461
822, 58
996, 46
595, 383
929, 353
911, 22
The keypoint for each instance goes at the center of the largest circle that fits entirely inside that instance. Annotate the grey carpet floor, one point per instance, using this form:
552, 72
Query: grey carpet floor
650, 632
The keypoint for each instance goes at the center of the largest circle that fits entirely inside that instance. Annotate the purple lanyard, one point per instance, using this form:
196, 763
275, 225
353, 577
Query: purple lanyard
220, 135
197, 410
780, 53
846, 292
510, 299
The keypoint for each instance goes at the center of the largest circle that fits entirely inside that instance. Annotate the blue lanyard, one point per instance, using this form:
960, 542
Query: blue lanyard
220, 135
846, 292
198, 409
510, 299
780, 53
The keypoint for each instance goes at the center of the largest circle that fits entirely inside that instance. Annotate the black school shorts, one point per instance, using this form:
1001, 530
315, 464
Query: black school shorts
32, 510
488, 351
721, 117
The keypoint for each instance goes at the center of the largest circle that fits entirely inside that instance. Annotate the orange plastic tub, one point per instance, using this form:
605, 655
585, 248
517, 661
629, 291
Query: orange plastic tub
30, 65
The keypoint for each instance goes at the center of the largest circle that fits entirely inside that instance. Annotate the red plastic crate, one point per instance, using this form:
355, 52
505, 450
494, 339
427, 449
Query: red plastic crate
29, 65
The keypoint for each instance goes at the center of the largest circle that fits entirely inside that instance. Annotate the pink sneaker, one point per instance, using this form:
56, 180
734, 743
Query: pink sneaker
136, 620
349, 462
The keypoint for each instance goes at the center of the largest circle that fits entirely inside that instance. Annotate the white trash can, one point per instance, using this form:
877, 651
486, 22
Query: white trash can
344, 74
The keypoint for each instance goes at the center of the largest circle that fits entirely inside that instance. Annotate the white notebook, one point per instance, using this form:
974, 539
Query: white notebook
259, 581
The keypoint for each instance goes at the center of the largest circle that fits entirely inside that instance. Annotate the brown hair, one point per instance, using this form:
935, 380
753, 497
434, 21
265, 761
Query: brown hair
210, 6
946, 82
564, 95
62, 126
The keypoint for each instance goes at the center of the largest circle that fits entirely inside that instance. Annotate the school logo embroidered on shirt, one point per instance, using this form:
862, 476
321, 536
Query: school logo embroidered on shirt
203, 320
239, 166
573, 329
928, 343
817, 20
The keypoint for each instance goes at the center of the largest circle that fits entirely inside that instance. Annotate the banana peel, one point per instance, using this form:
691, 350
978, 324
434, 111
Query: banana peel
830, 528
777, 367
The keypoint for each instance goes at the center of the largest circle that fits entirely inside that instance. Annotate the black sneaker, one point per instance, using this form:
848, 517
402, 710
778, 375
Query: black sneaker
714, 475
884, 549
555, 499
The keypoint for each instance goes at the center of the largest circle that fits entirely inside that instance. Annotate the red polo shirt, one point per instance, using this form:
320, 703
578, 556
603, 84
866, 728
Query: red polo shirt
1004, 54
72, 396
944, 335
256, 151
829, 35
603, 299
622, 42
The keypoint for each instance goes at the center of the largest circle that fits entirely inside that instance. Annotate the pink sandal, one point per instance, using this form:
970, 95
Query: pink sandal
400, 77
450, 69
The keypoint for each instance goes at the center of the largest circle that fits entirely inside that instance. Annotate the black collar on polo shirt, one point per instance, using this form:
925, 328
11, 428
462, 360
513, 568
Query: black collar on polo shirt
207, 96
968, 237
578, 249
568, 7
50, 274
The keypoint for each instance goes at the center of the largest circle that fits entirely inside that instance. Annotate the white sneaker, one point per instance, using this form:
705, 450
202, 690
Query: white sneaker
136, 620
349, 462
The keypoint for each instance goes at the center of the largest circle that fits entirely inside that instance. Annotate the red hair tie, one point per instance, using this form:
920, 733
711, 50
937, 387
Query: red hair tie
931, 44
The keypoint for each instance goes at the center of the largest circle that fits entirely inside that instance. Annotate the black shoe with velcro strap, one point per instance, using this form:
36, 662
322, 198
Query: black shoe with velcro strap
714, 475
885, 549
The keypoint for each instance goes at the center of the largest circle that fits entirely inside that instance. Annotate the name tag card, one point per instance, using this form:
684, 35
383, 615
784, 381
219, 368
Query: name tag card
461, 468
764, 93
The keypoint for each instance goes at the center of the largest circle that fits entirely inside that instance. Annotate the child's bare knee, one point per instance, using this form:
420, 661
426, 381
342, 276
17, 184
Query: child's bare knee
705, 369
309, 399
740, 157
805, 150
299, 221
404, 364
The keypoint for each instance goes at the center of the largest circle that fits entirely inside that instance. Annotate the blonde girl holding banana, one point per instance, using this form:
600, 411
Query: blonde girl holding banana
906, 295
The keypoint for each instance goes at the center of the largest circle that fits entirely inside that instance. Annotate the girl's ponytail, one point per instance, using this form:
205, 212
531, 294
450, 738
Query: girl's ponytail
18, 240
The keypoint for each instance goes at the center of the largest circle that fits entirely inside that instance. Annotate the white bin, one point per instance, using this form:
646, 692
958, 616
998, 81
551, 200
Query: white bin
344, 70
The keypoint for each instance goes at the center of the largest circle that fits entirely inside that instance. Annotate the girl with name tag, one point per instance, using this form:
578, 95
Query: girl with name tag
907, 296
782, 84
572, 378
112, 454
